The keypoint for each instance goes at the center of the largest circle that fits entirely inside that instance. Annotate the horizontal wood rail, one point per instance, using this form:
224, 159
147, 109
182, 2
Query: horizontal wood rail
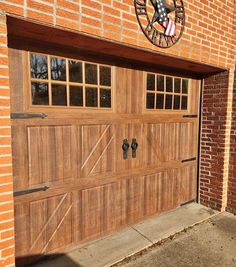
98, 180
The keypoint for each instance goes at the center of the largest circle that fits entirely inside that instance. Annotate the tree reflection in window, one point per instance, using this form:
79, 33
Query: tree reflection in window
59, 81
39, 66
58, 69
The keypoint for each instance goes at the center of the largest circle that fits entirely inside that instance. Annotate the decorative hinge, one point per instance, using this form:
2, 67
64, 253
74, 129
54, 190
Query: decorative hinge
30, 191
187, 160
27, 115
190, 116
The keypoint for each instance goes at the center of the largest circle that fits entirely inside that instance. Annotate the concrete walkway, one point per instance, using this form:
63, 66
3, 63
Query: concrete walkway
113, 249
210, 244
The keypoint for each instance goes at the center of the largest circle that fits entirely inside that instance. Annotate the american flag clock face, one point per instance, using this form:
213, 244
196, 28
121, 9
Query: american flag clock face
162, 21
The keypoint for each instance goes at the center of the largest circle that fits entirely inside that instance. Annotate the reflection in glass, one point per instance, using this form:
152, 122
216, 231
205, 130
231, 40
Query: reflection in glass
59, 95
75, 71
58, 69
160, 83
176, 102
160, 101
105, 98
184, 86
177, 85
151, 82
150, 101
39, 66
169, 84
39, 93
91, 74
105, 75
76, 96
184, 104
91, 96
168, 104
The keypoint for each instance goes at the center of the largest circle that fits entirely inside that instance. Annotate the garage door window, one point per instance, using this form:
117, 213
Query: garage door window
64, 82
166, 92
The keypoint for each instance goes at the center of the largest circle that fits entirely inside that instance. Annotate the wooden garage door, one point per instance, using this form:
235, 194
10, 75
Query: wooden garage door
72, 182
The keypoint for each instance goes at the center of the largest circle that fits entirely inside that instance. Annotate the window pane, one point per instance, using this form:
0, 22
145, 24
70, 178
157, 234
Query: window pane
39, 66
39, 93
169, 84
91, 96
184, 86
76, 96
58, 69
105, 98
176, 102
160, 101
105, 75
59, 95
151, 82
75, 71
150, 101
91, 73
160, 83
184, 104
177, 85
168, 104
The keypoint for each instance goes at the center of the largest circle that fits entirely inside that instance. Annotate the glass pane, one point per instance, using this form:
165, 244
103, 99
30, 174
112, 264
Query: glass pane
105, 98
151, 82
75, 71
76, 96
160, 101
176, 102
169, 84
150, 101
177, 85
91, 73
160, 83
58, 69
39, 66
59, 95
105, 75
184, 104
91, 97
184, 86
39, 93
168, 102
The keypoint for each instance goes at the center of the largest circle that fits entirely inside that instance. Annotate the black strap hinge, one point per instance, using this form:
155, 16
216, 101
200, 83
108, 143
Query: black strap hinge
27, 115
187, 160
30, 191
190, 116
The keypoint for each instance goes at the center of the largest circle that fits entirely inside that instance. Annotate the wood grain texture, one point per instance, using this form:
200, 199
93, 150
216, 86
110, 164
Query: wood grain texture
78, 154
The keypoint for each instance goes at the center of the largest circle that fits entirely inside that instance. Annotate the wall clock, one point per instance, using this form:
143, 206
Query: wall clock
161, 21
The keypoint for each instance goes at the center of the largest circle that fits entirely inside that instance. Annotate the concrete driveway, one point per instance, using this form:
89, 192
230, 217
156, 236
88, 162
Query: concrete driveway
211, 243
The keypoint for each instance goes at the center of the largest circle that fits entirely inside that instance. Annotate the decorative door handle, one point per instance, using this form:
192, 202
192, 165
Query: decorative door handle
134, 147
125, 148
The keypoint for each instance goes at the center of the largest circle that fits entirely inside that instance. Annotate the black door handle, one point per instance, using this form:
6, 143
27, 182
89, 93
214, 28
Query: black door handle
125, 148
134, 147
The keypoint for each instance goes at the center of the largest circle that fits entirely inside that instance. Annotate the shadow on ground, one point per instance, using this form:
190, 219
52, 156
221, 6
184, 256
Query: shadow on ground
54, 260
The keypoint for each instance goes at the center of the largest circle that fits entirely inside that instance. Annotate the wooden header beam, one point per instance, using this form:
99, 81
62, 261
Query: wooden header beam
27, 35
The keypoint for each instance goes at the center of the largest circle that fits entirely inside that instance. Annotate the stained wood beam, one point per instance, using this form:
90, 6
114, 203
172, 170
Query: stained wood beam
25, 34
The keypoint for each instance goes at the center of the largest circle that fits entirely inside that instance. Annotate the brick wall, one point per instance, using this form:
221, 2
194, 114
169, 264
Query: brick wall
213, 176
208, 38
208, 35
6, 189
231, 205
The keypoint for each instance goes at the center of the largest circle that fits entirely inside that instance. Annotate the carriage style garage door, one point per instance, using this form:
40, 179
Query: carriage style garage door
116, 146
